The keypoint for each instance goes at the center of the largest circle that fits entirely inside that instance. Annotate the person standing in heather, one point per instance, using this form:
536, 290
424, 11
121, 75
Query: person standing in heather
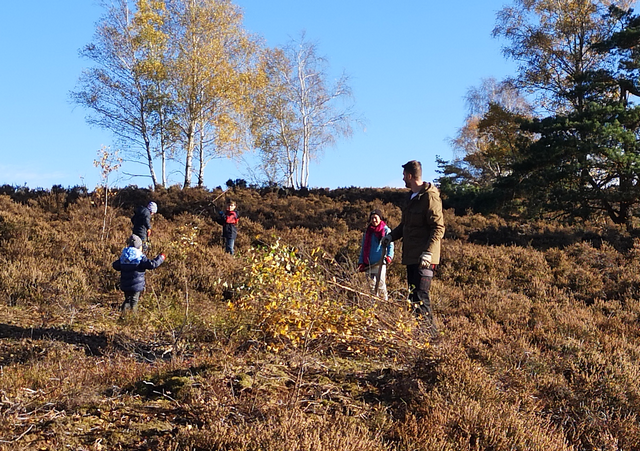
141, 221
374, 258
132, 265
421, 230
228, 219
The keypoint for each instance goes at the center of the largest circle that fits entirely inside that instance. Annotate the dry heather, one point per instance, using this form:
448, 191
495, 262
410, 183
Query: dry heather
281, 347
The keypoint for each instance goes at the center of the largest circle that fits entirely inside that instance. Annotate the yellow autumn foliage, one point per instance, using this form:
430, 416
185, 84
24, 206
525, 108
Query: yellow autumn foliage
295, 305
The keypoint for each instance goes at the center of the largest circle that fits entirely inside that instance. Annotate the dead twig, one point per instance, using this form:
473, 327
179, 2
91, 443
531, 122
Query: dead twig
362, 293
18, 437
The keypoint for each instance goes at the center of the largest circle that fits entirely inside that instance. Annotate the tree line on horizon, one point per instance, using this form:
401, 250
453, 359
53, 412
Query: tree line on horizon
184, 81
560, 137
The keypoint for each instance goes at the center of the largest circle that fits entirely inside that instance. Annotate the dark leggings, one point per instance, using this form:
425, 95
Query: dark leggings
130, 300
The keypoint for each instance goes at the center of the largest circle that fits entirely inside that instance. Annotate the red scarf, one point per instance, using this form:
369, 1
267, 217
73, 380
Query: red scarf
371, 230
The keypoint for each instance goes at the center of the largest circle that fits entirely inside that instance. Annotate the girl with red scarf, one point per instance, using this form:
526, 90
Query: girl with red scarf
371, 255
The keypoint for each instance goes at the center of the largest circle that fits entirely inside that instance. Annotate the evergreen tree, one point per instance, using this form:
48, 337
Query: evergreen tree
588, 161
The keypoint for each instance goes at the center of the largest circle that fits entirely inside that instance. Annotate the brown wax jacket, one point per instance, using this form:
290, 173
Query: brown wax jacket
422, 226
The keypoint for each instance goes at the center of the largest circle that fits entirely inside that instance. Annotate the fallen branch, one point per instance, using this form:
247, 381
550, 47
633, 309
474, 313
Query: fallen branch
406, 339
362, 293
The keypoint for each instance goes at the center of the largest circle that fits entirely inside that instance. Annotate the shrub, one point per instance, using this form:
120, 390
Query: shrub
289, 300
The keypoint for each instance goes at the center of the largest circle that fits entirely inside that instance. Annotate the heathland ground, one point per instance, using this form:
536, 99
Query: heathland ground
281, 347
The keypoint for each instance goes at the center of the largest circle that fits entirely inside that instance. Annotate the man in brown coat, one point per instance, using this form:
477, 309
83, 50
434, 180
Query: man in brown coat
421, 230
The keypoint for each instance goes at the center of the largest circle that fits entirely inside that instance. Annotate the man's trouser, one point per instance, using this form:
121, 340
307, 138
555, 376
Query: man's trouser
419, 281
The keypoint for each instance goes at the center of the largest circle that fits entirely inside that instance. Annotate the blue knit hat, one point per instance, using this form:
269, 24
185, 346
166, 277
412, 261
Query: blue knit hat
153, 207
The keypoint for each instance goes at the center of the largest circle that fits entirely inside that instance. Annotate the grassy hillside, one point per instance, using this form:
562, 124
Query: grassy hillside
281, 347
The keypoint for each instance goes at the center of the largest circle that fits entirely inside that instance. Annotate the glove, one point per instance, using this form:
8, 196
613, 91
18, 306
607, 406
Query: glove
361, 267
149, 232
425, 259
386, 240
164, 257
387, 260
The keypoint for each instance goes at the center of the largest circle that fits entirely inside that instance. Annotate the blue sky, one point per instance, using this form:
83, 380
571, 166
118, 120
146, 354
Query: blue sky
410, 64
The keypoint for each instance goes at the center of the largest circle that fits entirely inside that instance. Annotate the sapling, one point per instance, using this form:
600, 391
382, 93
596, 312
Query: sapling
108, 162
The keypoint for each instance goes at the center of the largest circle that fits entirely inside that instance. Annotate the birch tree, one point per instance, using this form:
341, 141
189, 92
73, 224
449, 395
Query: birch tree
303, 114
121, 90
172, 77
152, 43
212, 73
274, 122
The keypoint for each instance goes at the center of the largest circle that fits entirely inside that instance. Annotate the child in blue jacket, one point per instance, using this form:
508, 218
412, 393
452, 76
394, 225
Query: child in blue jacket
132, 264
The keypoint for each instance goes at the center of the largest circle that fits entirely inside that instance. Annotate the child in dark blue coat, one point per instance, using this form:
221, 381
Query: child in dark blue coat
141, 221
132, 264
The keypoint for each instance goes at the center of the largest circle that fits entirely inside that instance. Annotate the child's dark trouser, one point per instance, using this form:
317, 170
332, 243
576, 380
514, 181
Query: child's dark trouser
419, 280
228, 245
130, 301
